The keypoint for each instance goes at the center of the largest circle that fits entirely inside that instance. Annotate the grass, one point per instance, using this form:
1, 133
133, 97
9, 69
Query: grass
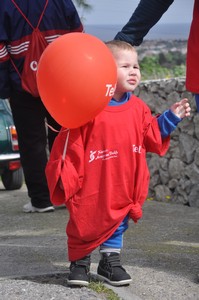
99, 288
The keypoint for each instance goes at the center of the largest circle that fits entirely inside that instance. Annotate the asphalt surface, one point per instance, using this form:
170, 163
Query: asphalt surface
161, 253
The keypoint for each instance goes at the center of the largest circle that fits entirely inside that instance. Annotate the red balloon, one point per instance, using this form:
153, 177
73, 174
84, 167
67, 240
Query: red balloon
76, 78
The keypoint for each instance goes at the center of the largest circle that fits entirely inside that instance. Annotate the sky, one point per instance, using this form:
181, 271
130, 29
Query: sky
119, 12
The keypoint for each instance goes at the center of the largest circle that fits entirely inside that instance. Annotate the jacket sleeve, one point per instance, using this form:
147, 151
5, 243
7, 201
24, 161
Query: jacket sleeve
72, 16
4, 72
192, 62
68, 167
4, 57
145, 16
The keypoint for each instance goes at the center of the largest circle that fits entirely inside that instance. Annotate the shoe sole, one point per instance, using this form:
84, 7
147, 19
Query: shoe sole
115, 283
77, 282
43, 210
39, 210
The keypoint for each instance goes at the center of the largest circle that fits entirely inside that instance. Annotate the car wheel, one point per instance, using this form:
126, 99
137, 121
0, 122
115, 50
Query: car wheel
12, 180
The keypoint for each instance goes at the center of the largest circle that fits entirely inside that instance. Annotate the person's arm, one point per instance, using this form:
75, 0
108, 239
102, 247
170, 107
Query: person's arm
4, 57
4, 72
169, 120
72, 17
145, 16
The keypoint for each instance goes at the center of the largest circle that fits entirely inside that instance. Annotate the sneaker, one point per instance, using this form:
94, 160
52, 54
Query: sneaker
79, 272
59, 206
111, 271
28, 208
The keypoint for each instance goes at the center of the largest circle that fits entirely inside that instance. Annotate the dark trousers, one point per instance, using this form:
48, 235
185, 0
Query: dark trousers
29, 116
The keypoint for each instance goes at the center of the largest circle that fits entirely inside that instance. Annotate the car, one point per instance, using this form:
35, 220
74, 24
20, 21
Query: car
11, 171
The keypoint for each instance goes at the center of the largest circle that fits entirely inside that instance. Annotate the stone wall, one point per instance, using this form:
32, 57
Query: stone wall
174, 177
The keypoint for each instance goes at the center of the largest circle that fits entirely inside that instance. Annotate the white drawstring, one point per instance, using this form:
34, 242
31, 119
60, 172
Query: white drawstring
66, 145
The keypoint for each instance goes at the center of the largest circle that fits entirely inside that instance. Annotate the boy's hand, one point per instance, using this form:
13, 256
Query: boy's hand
181, 109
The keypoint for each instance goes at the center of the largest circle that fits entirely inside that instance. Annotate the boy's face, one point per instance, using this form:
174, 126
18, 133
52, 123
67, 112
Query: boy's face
128, 72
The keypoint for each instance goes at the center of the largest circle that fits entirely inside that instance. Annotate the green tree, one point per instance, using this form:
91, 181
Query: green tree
83, 4
164, 65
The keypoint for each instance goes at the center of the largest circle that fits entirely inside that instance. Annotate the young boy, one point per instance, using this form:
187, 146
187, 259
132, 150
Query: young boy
100, 171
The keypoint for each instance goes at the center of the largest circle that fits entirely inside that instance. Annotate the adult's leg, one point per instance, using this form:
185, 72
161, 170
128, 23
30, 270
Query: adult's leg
29, 114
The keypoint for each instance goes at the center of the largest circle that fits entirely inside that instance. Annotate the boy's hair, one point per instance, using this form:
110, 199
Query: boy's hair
119, 45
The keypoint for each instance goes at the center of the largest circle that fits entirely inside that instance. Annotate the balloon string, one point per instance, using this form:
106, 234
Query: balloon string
66, 145
52, 128
55, 130
67, 137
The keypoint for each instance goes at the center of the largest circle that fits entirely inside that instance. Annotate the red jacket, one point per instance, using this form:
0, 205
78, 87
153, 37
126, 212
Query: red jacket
104, 173
192, 76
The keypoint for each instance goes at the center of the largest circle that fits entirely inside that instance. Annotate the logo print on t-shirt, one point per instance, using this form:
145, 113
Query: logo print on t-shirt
103, 154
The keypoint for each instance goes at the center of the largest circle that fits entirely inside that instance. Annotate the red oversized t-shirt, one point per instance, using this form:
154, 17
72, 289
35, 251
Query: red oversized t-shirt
104, 173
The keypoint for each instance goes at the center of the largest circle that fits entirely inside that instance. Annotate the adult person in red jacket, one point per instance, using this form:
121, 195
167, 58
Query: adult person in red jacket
192, 76
145, 16
103, 178
60, 17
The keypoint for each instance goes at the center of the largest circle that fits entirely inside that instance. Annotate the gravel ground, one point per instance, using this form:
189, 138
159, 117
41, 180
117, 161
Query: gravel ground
161, 253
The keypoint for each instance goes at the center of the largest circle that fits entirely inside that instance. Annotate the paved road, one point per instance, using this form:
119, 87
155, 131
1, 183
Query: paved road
161, 253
